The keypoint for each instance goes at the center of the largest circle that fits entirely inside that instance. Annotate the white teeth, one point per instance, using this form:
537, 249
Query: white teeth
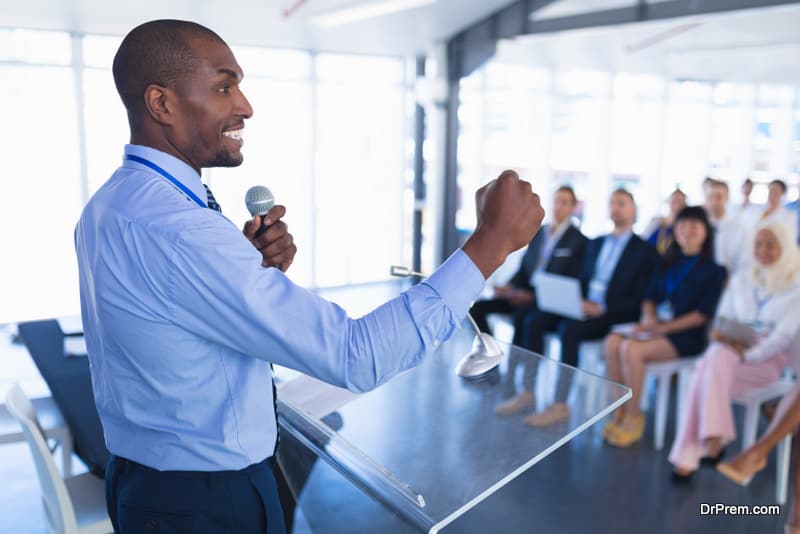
233, 134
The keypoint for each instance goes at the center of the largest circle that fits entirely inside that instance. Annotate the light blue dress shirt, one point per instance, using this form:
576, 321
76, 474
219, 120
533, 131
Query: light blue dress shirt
606, 264
181, 322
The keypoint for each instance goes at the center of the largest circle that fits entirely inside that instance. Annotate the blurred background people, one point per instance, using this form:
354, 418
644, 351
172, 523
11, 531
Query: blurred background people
726, 225
764, 296
775, 210
659, 232
613, 280
557, 248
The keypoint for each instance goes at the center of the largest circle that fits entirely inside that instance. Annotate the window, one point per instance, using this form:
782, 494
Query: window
41, 175
277, 154
359, 192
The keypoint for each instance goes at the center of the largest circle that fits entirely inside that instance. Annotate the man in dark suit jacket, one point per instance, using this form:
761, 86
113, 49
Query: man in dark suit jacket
613, 278
557, 248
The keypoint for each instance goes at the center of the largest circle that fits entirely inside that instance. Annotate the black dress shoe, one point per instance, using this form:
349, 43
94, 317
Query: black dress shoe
712, 461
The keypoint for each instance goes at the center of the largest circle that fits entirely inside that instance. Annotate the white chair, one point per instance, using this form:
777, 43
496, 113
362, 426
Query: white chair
52, 424
752, 401
663, 373
783, 459
73, 505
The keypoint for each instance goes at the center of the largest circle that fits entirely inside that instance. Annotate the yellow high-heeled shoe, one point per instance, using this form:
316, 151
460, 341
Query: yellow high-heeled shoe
613, 425
631, 431
610, 429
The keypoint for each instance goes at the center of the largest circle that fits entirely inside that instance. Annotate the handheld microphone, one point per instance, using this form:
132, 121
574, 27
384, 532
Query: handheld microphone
486, 353
259, 201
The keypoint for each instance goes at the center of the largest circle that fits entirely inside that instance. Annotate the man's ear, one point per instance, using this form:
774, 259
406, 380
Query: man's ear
158, 101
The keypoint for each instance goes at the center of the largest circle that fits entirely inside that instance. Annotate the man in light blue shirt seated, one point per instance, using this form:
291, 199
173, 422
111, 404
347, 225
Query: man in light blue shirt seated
183, 313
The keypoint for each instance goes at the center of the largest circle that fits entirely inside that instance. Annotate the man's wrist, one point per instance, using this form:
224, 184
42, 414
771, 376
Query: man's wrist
485, 253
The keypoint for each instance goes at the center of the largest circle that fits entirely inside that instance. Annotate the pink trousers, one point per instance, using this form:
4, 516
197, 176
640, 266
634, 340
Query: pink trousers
707, 409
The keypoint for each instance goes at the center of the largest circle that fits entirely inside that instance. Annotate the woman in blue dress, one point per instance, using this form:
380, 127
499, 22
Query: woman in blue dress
678, 306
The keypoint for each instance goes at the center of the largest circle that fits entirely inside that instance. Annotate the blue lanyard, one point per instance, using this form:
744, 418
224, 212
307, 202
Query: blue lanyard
673, 281
760, 302
174, 181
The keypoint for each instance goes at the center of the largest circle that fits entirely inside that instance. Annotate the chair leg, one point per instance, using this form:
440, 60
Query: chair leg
782, 469
750, 425
684, 378
644, 402
588, 360
66, 456
662, 402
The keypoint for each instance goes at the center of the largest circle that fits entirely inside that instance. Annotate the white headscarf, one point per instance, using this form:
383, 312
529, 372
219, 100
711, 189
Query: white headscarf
785, 272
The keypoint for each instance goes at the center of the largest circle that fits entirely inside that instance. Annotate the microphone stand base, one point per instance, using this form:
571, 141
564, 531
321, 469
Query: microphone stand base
485, 357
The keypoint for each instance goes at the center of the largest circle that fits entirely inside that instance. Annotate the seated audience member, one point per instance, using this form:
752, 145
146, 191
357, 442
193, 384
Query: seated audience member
660, 230
763, 296
679, 303
727, 228
557, 248
614, 276
776, 211
742, 468
746, 207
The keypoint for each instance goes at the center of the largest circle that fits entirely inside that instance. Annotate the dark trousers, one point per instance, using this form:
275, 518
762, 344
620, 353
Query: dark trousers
141, 499
571, 332
482, 308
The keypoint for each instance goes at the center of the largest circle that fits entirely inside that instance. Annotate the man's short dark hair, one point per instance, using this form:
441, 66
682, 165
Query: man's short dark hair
779, 183
568, 190
747, 181
623, 191
156, 52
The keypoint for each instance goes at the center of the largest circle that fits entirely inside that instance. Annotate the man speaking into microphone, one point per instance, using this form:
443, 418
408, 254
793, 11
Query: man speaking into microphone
183, 313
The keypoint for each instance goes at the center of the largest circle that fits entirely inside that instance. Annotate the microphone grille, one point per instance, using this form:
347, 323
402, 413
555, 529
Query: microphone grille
259, 200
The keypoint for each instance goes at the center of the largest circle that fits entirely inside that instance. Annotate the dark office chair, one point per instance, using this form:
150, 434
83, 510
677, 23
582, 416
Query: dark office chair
71, 385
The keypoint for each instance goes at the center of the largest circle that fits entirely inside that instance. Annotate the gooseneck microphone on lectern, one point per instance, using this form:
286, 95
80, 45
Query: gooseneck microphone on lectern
486, 352
259, 201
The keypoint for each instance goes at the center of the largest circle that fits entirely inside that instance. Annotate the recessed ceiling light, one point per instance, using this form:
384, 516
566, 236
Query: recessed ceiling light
364, 11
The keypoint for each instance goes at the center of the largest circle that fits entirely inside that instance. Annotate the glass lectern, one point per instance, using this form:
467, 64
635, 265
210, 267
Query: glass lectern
428, 445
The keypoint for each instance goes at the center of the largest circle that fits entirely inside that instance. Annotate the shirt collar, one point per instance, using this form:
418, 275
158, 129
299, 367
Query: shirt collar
558, 230
622, 238
179, 170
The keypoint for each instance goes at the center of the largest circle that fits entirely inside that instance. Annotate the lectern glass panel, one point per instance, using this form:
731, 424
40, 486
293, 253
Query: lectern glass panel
428, 445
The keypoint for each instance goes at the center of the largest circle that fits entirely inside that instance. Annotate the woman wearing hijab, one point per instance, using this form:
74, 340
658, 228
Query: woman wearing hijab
763, 298
679, 303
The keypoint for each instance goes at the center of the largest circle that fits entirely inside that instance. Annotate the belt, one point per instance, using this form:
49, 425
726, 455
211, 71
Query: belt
121, 463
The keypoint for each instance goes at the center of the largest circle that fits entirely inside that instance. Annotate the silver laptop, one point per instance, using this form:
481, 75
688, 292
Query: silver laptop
559, 294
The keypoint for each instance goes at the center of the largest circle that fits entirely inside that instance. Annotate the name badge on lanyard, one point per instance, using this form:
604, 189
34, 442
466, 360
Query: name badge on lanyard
664, 311
761, 327
597, 291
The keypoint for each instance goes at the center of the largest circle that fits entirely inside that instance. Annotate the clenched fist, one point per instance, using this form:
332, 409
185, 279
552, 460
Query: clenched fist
509, 215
